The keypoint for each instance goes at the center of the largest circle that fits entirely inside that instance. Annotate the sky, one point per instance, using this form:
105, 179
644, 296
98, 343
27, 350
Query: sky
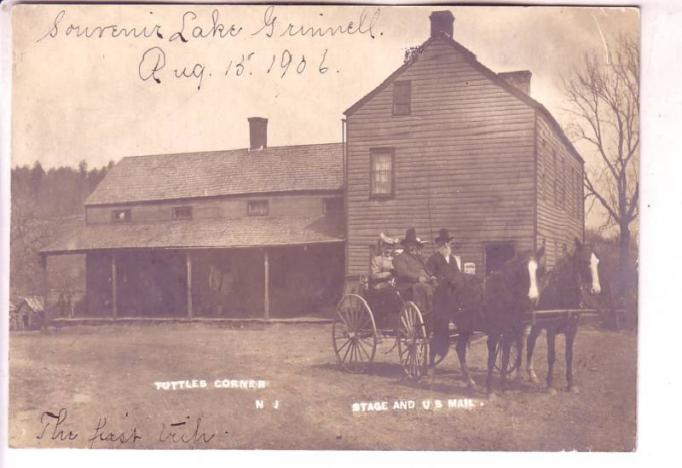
96, 99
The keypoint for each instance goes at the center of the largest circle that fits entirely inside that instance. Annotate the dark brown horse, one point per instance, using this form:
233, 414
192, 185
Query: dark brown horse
498, 310
562, 288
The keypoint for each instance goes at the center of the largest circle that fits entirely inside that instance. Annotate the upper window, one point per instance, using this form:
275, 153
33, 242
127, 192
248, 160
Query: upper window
402, 97
182, 212
121, 216
381, 173
578, 193
258, 208
562, 184
333, 205
555, 179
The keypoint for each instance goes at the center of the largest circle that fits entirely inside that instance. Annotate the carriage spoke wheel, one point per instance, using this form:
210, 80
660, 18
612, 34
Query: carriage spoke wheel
413, 343
513, 355
354, 334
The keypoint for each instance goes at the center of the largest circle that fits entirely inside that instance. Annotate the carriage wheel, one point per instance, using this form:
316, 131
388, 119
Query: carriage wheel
513, 355
354, 334
413, 343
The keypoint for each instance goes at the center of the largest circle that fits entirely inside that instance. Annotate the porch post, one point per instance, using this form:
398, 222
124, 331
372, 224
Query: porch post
266, 284
114, 299
46, 289
188, 261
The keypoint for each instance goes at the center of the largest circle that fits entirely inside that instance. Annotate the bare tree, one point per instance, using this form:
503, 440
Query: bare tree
603, 97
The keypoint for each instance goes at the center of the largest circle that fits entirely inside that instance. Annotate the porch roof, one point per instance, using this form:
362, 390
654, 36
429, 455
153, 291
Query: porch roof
199, 234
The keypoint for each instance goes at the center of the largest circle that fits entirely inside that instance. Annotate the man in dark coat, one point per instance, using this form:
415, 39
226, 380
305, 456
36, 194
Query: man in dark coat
411, 272
443, 266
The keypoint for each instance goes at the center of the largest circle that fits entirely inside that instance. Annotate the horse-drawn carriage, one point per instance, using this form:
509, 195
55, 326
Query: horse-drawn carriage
356, 335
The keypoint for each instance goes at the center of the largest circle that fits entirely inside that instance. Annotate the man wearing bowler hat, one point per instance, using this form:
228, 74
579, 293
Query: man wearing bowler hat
443, 265
411, 272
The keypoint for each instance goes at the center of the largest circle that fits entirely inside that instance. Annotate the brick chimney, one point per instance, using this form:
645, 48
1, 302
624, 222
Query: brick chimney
258, 133
442, 22
518, 79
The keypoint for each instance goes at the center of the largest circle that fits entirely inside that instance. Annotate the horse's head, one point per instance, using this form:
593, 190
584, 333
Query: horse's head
586, 265
523, 274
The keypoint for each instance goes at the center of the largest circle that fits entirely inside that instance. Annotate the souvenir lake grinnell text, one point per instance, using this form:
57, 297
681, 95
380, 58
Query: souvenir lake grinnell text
198, 27
324, 227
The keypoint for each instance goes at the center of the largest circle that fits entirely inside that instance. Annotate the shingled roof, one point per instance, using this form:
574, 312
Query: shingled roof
218, 173
200, 234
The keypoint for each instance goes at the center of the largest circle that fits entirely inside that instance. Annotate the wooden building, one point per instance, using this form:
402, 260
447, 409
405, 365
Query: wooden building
241, 233
446, 142
443, 142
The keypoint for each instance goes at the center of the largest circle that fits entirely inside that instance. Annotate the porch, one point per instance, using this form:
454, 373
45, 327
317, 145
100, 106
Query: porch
285, 269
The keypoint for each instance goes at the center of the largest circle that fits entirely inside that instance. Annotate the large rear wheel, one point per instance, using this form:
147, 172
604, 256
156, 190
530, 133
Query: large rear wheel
413, 343
354, 334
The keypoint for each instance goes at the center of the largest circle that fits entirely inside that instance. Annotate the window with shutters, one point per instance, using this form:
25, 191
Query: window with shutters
402, 98
381, 173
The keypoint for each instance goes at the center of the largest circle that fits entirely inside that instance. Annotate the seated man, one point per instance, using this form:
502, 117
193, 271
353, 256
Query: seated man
382, 291
411, 272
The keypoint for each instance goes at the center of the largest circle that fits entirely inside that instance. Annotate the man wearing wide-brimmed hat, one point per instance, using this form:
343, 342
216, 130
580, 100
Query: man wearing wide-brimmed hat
411, 272
442, 264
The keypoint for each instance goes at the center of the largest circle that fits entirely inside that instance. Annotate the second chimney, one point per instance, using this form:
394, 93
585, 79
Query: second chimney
258, 133
442, 22
518, 79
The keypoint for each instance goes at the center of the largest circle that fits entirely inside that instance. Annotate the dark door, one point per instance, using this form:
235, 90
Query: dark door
497, 255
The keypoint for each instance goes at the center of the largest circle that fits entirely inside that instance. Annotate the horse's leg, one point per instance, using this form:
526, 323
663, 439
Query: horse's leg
431, 366
571, 331
506, 348
551, 357
520, 338
492, 345
462, 343
530, 343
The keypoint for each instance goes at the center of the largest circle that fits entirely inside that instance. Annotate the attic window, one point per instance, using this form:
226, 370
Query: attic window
182, 212
258, 208
121, 216
402, 97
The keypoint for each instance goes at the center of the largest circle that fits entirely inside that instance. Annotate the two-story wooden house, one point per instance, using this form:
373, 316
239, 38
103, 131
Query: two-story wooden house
446, 142
220, 234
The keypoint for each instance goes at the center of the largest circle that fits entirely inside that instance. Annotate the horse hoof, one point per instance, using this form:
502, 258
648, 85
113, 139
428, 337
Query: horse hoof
551, 391
533, 378
573, 389
471, 386
492, 396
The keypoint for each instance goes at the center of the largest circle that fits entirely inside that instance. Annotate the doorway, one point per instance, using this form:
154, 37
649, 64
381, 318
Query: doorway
498, 254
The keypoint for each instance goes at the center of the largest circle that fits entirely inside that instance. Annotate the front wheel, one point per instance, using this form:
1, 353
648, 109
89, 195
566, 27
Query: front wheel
413, 343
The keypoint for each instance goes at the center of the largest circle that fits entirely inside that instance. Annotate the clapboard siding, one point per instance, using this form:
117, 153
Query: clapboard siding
464, 160
559, 222
218, 207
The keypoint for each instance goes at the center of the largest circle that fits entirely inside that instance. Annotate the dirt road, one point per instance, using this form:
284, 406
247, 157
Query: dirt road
103, 388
